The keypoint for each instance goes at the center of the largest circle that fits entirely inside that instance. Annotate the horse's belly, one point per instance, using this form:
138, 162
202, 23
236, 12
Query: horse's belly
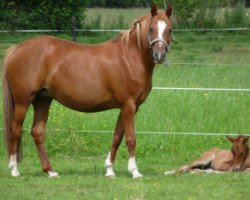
84, 101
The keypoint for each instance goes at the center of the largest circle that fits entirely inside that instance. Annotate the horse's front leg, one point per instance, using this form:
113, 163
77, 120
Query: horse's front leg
128, 119
117, 138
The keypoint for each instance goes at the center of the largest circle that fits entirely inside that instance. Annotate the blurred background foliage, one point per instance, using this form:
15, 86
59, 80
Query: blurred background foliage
44, 14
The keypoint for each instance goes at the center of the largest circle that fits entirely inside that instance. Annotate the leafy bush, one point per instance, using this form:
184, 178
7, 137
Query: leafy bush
41, 14
236, 18
118, 23
119, 3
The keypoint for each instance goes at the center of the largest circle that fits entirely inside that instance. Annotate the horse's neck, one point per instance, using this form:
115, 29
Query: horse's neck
142, 50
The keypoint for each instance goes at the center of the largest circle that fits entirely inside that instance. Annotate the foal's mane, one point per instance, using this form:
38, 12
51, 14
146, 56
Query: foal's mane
140, 25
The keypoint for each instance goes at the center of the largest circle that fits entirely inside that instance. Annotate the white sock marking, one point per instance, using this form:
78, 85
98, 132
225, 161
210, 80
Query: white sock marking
109, 166
13, 165
170, 172
132, 167
53, 174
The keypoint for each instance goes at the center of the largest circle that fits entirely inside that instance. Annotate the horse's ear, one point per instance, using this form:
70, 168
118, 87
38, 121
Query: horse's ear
169, 11
245, 139
230, 139
153, 9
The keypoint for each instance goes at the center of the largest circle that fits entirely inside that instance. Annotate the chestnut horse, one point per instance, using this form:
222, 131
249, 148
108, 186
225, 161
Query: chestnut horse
86, 78
219, 160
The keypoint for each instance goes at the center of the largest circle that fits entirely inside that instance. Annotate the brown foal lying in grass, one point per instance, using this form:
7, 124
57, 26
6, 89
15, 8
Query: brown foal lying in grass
219, 160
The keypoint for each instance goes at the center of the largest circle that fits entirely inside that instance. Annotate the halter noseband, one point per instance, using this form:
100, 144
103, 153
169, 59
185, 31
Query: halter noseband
151, 42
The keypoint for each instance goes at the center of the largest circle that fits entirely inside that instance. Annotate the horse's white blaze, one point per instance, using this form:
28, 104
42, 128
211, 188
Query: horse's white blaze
161, 27
13, 165
132, 167
109, 166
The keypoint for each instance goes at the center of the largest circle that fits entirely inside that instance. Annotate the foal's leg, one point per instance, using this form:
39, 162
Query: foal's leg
247, 170
128, 119
117, 138
16, 131
41, 111
204, 160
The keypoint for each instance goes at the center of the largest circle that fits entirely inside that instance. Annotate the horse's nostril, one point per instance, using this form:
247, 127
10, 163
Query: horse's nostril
162, 56
159, 57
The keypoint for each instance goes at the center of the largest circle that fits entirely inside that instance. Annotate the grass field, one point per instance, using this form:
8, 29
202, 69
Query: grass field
79, 156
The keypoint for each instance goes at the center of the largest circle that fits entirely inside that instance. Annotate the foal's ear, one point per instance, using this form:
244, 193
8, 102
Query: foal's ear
153, 9
230, 139
245, 139
169, 11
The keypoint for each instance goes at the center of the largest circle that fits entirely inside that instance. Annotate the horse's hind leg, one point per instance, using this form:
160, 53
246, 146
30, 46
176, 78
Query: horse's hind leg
204, 160
41, 107
117, 138
15, 138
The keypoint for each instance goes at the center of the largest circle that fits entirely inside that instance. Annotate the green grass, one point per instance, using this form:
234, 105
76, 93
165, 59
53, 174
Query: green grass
79, 156
85, 181
82, 176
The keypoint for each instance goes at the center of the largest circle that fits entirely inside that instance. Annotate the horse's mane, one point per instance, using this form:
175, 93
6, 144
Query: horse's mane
139, 26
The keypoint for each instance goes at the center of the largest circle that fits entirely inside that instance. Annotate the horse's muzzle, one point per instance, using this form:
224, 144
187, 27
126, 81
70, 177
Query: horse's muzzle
159, 57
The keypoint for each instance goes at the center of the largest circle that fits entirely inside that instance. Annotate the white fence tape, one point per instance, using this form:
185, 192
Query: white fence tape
203, 89
198, 89
121, 30
144, 132
210, 64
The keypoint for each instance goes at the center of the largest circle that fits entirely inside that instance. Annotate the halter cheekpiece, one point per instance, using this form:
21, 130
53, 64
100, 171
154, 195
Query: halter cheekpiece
151, 42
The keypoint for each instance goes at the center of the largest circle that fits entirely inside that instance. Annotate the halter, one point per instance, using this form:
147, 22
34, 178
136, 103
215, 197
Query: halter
151, 42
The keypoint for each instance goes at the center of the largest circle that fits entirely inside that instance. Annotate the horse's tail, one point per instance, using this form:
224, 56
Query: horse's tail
8, 107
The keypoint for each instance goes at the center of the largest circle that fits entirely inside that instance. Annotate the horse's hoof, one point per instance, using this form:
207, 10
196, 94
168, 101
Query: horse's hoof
53, 174
110, 173
137, 175
15, 173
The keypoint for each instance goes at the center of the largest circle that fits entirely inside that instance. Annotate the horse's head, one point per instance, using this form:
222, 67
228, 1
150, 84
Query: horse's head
240, 151
159, 33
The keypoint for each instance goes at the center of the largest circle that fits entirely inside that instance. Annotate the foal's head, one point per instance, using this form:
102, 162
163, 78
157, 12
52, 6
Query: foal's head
240, 151
160, 31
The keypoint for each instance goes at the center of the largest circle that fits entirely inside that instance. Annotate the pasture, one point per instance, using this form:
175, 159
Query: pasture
77, 149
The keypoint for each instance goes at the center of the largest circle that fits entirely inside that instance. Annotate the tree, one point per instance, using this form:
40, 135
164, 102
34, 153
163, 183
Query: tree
118, 3
248, 3
41, 14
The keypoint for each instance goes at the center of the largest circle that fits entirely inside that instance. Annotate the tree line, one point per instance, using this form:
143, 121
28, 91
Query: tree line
146, 3
58, 14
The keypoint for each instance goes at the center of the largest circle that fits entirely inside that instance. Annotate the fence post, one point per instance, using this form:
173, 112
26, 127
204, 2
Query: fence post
74, 30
